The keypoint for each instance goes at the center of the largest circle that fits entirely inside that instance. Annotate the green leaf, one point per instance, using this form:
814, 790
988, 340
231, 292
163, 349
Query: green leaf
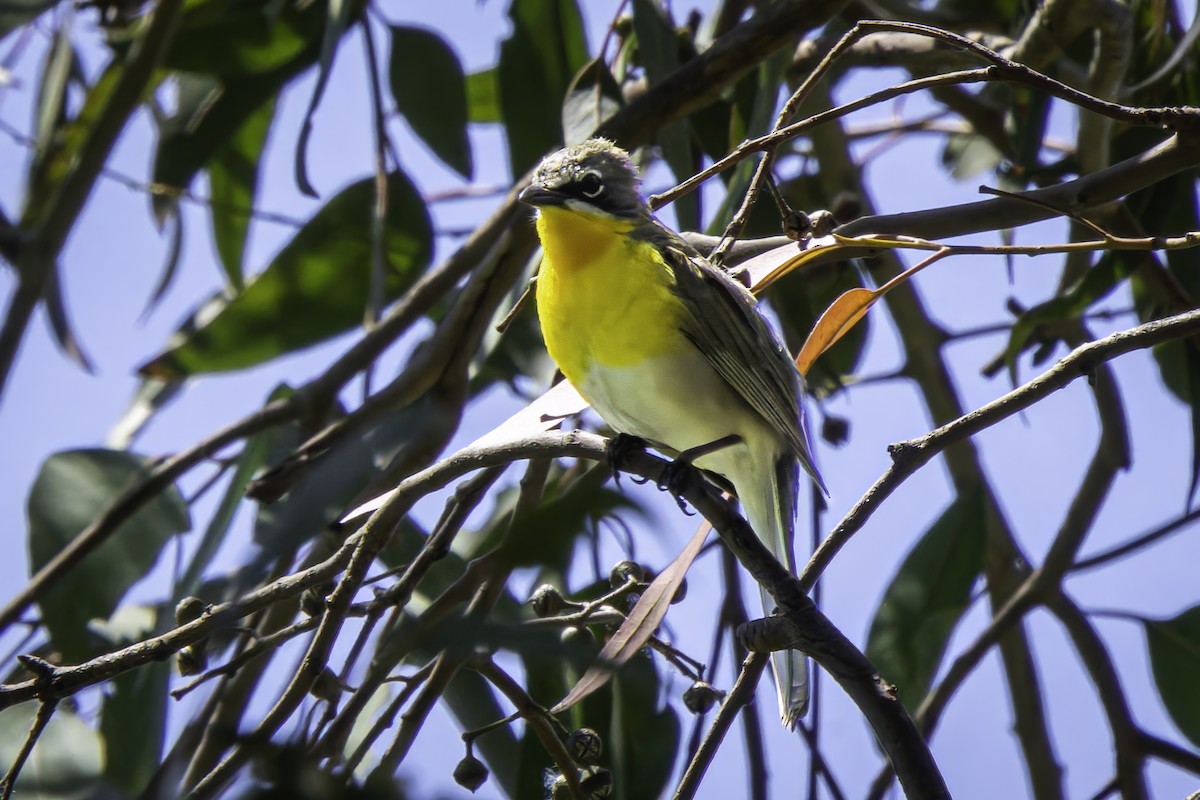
226, 92
339, 15
658, 51
1174, 646
592, 98
71, 489
216, 123
967, 155
47, 173
233, 186
315, 288
323, 493
483, 103
927, 598
251, 460
67, 761
133, 717
236, 39
430, 91
1096, 284
537, 63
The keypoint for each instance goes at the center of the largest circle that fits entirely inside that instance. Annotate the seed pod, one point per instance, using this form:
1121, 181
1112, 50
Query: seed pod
622, 571
189, 609
470, 773
700, 697
547, 601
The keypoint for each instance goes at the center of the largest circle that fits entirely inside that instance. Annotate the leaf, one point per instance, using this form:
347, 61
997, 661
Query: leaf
233, 187
537, 63
483, 103
928, 596
254, 38
592, 98
71, 489
1174, 646
51, 110
643, 736
322, 493
967, 155
339, 14
250, 461
839, 318
639, 625
1096, 284
133, 717
67, 761
658, 51
148, 399
215, 119
15, 13
316, 287
430, 91
47, 173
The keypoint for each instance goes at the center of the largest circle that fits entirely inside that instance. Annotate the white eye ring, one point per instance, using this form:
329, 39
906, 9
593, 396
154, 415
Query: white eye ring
599, 185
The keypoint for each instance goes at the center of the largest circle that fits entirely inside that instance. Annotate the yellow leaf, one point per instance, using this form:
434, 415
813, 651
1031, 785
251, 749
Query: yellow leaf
840, 317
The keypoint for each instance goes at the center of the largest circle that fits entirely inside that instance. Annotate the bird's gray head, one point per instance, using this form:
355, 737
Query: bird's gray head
595, 176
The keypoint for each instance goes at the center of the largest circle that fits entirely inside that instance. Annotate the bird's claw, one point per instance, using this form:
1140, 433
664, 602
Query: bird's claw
618, 449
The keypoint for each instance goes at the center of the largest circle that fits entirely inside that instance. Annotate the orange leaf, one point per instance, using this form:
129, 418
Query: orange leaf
841, 316
639, 626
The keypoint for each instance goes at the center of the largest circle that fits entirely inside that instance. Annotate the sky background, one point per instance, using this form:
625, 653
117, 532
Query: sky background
115, 255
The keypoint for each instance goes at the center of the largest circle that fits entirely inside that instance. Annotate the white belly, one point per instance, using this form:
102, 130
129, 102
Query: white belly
678, 402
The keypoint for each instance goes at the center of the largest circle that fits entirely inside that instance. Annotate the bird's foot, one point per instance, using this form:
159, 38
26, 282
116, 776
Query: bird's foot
676, 475
618, 448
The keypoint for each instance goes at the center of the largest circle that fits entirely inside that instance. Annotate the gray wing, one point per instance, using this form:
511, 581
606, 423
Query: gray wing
735, 338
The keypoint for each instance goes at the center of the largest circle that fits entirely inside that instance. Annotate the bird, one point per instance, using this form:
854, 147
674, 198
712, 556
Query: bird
670, 349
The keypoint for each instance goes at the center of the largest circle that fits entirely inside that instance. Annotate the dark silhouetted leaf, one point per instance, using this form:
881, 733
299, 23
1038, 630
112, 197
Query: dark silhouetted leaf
15, 13
537, 63
801, 302
67, 761
323, 492
1174, 646
315, 288
658, 51
71, 489
223, 87
133, 717
592, 97
430, 91
233, 186
1096, 284
927, 598
339, 14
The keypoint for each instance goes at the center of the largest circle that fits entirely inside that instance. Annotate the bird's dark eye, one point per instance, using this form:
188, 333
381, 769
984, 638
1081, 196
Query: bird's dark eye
590, 185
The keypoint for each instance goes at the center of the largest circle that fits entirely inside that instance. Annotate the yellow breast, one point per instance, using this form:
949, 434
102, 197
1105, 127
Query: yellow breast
604, 298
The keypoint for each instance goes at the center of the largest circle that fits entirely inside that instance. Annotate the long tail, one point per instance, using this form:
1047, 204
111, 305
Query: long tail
771, 508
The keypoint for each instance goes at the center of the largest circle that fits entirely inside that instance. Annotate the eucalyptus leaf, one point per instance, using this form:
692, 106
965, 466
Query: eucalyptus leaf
66, 763
537, 63
315, 288
71, 489
1174, 646
430, 90
233, 175
927, 597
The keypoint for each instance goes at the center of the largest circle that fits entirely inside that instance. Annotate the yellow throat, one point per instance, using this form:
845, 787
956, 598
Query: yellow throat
604, 297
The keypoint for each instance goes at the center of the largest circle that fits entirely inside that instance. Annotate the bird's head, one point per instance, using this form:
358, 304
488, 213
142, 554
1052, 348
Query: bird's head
595, 177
